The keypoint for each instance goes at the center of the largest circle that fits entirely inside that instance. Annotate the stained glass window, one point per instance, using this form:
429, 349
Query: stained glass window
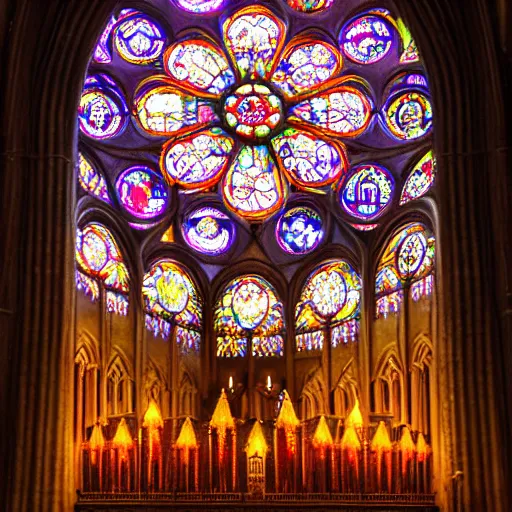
420, 180
99, 261
330, 298
299, 230
248, 313
171, 299
408, 260
91, 180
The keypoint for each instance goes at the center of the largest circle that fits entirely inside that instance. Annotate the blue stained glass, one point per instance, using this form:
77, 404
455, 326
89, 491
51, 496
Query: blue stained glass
299, 230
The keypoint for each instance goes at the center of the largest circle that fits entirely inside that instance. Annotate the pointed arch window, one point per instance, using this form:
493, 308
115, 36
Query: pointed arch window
329, 307
249, 313
119, 387
173, 304
100, 266
407, 266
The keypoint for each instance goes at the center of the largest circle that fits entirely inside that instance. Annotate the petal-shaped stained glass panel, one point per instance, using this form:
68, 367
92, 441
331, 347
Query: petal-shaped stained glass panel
201, 6
91, 180
102, 113
299, 230
139, 40
410, 52
308, 160
420, 180
340, 111
253, 187
367, 39
250, 303
306, 64
310, 5
142, 192
198, 65
199, 160
367, 192
254, 37
208, 231
164, 110
87, 285
409, 116
411, 254
387, 280
102, 53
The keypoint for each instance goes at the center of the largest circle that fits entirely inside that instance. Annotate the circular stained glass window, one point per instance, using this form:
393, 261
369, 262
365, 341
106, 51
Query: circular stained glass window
139, 40
102, 112
299, 230
411, 254
367, 39
409, 116
200, 6
250, 304
208, 231
142, 192
309, 5
367, 192
94, 250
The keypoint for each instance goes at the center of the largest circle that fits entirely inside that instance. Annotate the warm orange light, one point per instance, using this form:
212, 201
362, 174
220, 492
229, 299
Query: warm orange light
256, 443
355, 418
187, 438
122, 440
322, 437
153, 417
406, 444
96, 442
269, 383
222, 420
350, 440
168, 236
230, 384
287, 420
381, 441
422, 448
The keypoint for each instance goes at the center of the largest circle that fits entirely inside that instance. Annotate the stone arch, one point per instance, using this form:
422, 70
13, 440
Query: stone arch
421, 384
313, 397
119, 384
346, 391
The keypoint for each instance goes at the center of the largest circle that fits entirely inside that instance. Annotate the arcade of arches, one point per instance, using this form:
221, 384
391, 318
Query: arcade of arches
264, 233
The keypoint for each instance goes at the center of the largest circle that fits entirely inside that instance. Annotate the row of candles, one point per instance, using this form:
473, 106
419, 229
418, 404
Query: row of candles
304, 461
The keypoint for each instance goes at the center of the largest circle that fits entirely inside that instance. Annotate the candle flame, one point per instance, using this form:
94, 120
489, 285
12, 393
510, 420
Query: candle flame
256, 443
381, 442
187, 438
322, 437
350, 440
122, 440
153, 418
355, 418
422, 448
406, 444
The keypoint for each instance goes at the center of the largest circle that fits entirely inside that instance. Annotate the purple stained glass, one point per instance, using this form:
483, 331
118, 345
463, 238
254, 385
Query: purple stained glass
367, 39
299, 230
208, 231
102, 113
139, 40
142, 192
367, 192
200, 6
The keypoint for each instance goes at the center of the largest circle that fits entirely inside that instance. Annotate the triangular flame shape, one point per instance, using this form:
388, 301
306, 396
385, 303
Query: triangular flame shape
153, 417
122, 440
350, 440
187, 437
381, 441
422, 448
97, 441
222, 417
287, 418
406, 443
355, 418
322, 437
256, 442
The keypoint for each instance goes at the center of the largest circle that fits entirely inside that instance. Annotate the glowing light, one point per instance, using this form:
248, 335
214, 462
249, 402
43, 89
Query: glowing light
269, 383
299, 230
96, 442
139, 40
288, 421
153, 417
421, 179
422, 448
381, 442
322, 438
187, 439
256, 442
91, 180
230, 384
367, 192
409, 116
200, 6
222, 421
355, 418
310, 5
252, 111
340, 111
367, 39
350, 440
411, 254
410, 50
406, 444
122, 440
168, 236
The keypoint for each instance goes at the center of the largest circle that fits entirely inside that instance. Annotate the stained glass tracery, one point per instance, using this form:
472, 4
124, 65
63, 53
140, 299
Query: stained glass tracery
249, 310
171, 298
330, 298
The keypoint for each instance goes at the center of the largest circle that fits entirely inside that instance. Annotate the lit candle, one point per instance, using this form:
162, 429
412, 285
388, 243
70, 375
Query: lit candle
230, 382
269, 383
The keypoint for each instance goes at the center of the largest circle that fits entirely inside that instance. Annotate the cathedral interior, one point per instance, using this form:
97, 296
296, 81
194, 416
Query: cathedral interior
254, 255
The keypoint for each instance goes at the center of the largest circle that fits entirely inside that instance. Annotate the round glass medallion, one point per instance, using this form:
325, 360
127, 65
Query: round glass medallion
250, 304
253, 111
208, 231
299, 230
